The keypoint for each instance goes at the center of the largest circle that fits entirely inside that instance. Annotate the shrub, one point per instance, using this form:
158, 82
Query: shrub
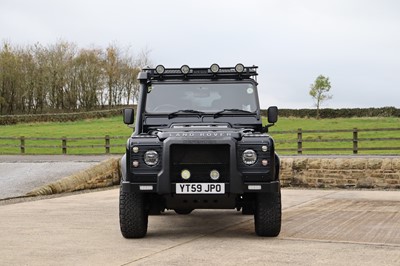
60, 117
336, 113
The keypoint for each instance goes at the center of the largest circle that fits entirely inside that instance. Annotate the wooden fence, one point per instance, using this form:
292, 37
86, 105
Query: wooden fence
347, 141
352, 139
64, 146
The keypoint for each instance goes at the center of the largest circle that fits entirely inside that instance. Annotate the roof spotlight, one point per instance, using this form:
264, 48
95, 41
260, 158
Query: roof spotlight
239, 68
214, 68
160, 69
185, 69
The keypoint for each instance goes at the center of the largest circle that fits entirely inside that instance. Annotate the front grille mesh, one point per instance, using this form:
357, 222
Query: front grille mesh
199, 160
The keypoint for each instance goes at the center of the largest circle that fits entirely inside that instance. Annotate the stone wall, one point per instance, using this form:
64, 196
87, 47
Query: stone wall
301, 171
341, 172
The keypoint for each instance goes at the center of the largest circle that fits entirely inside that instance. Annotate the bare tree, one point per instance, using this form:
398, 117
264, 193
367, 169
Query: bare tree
39, 79
9, 79
58, 58
111, 71
143, 58
88, 70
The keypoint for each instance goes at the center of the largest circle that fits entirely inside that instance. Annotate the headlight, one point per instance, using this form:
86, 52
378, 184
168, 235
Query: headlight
151, 158
249, 157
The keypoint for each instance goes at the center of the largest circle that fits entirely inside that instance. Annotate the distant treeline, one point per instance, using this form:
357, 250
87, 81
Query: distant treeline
301, 113
37, 79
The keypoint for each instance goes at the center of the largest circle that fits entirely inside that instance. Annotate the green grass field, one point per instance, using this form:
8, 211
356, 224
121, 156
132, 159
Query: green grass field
115, 128
292, 124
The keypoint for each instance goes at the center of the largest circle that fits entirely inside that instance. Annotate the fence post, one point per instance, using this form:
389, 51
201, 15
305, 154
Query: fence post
299, 141
355, 141
107, 138
64, 145
22, 146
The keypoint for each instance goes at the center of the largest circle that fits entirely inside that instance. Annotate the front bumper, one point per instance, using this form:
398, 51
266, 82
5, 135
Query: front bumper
247, 187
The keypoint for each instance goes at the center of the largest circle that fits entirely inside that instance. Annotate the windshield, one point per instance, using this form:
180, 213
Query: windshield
210, 98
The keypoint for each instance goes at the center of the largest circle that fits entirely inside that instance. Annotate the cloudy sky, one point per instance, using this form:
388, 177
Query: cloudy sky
356, 43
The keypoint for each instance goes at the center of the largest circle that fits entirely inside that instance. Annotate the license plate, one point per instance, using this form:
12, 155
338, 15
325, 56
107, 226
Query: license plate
200, 188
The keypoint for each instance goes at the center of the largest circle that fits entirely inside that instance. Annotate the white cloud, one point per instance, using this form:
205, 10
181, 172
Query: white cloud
353, 42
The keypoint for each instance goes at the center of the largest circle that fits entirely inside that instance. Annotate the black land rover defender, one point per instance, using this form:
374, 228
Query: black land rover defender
199, 143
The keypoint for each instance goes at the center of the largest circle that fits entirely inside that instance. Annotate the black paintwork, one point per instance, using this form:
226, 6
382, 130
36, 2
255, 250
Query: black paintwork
215, 141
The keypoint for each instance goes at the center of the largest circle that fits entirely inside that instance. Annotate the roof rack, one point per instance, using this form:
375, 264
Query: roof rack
213, 72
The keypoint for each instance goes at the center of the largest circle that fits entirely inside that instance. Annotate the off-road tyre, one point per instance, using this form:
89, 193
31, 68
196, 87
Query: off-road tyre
268, 214
133, 216
183, 211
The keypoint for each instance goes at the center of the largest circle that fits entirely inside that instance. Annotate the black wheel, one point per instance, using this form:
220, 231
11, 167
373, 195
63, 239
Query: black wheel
183, 211
133, 217
268, 214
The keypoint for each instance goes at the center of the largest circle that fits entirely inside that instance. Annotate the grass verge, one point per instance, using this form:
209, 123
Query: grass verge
97, 129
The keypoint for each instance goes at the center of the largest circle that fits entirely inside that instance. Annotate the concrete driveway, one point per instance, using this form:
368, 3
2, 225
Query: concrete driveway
339, 227
20, 174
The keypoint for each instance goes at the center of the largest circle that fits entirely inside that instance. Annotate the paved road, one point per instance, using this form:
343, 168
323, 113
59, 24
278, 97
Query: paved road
326, 227
21, 174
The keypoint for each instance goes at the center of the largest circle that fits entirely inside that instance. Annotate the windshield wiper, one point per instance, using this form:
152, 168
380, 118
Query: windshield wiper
173, 114
232, 111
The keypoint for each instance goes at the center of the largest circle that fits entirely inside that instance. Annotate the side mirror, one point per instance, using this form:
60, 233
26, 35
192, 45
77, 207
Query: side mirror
272, 114
129, 116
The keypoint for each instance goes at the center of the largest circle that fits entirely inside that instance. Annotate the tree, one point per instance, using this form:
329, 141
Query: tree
88, 74
9, 79
64, 77
58, 58
320, 91
112, 72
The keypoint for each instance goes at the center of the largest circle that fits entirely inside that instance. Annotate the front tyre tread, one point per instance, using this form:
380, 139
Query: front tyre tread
268, 214
133, 216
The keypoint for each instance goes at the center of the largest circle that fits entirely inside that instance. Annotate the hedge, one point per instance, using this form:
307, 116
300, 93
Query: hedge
336, 113
60, 117
324, 113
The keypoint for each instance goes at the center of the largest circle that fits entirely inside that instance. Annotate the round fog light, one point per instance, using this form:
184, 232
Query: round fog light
214, 68
239, 68
264, 162
214, 174
185, 69
160, 69
135, 164
185, 174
